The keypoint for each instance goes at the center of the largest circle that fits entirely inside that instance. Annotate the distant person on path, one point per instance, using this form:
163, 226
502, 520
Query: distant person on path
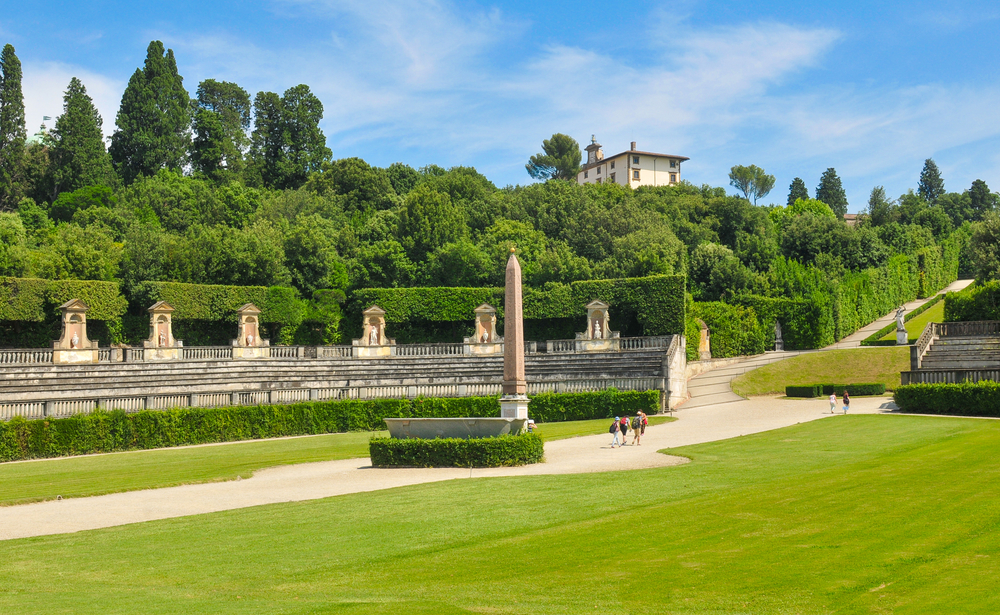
638, 428
833, 403
531, 425
624, 428
614, 430
847, 402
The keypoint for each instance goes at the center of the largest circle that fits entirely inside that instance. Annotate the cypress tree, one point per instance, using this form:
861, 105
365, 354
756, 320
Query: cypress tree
831, 192
12, 130
221, 119
78, 155
154, 119
287, 142
931, 185
797, 191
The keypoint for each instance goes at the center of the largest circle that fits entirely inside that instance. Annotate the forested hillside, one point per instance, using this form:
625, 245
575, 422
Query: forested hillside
222, 189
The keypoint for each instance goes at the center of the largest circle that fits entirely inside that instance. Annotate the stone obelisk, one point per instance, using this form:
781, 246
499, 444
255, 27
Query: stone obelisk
514, 403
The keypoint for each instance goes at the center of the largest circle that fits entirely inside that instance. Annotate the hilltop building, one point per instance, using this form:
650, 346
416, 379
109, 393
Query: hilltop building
630, 168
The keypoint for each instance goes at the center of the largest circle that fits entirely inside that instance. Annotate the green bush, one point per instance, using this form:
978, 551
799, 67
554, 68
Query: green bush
733, 330
979, 302
805, 324
810, 390
859, 390
457, 452
105, 432
965, 399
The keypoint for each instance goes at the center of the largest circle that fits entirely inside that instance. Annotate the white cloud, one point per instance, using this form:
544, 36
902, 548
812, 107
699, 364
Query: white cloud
45, 83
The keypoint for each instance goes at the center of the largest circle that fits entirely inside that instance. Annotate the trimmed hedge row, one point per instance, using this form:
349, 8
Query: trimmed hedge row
278, 304
875, 339
815, 390
105, 432
734, 330
964, 399
979, 302
656, 301
33, 299
457, 452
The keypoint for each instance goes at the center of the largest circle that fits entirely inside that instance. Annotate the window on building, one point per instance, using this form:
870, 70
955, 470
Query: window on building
673, 178
598, 170
598, 180
673, 164
635, 160
586, 174
612, 175
635, 174
612, 164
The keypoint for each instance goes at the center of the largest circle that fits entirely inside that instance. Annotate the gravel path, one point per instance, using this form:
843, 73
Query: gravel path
325, 479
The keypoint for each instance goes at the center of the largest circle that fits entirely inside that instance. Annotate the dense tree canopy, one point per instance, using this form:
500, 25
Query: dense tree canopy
752, 181
560, 159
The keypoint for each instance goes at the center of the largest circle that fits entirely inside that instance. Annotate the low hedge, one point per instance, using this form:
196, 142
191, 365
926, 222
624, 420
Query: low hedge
810, 390
978, 302
457, 452
105, 432
815, 390
964, 399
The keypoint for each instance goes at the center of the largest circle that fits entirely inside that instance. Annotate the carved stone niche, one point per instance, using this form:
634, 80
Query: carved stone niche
161, 345
248, 344
73, 346
598, 336
374, 342
486, 340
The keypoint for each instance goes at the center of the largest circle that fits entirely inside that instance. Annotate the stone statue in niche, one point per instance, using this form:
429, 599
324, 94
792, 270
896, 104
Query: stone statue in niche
75, 342
249, 339
163, 338
373, 336
597, 330
485, 337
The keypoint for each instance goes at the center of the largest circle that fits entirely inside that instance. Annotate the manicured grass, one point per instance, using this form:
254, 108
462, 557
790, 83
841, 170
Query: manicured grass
573, 429
44, 479
915, 326
852, 514
852, 366
98, 474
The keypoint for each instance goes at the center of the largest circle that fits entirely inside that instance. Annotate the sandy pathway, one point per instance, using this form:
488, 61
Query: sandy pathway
330, 478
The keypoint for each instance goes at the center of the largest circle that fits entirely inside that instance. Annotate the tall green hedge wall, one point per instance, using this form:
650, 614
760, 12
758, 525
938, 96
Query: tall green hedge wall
656, 301
980, 302
217, 302
32, 299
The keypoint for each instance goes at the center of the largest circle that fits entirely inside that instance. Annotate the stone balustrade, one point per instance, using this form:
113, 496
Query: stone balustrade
67, 407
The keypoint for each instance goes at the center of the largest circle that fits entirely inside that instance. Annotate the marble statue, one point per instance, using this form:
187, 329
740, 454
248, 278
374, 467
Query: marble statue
163, 338
75, 342
779, 342
373, 336
900, 323
486, 337
249, 339
597, 330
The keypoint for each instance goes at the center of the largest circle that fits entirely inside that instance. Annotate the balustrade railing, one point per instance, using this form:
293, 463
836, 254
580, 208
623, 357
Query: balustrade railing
285, 352
949, 376
25, 355
334, 352
202, 353
641, 343
968, 329
429, 350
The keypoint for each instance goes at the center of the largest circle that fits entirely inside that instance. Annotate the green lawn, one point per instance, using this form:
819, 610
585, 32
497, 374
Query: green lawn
98, 474
915, 326
852, 366
849, 514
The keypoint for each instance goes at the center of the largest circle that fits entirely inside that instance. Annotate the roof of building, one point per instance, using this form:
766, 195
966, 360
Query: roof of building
633, 152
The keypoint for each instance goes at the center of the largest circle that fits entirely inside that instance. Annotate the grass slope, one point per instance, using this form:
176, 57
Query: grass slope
852, 514
852, 366
915, 326
98, 474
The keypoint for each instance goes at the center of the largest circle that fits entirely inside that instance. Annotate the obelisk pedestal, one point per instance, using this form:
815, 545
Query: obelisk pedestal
514, 402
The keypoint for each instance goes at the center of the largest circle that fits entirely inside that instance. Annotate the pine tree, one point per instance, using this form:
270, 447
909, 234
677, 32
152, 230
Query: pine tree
797, 191
154, 119
831, 192
12, 130
78, 155
931, 185
287, 143
221, 120
982, 201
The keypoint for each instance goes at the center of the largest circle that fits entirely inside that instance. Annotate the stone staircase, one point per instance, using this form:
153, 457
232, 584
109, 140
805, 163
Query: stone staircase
949, 352
974, 352
37, 382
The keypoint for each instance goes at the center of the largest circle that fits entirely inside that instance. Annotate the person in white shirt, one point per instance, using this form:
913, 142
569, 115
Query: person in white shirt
833, 403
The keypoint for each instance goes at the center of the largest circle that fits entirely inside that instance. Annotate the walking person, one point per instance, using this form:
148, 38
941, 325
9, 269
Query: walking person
638, 428
614, 429
624, 428
833, 403
847, 402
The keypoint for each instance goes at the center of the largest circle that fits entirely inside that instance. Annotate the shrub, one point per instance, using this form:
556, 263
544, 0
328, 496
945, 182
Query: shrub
980, 302
965, 399
456, 452
105, 432
734, 330
860, 390
809, 390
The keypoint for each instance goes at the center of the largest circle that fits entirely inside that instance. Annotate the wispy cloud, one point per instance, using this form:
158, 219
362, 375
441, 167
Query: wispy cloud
44, 85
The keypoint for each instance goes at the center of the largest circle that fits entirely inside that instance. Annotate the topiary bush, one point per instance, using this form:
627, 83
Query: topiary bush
964, 399
808, 391
457, 452
859, 390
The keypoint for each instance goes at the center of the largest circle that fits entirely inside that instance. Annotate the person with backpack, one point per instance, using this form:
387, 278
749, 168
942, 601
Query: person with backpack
847, 402
624, 429
636, 428
614, 429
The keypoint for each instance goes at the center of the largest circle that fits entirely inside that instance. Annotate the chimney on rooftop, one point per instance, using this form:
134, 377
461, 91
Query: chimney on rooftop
633, 146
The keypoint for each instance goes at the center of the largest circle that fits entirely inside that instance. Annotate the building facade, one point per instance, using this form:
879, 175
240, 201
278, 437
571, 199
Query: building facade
630, 168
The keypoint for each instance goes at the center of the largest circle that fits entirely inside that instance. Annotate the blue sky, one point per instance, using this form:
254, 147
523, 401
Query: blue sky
871, 89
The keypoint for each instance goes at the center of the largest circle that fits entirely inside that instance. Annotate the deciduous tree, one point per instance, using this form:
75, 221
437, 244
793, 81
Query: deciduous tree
752, 181
221, 121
